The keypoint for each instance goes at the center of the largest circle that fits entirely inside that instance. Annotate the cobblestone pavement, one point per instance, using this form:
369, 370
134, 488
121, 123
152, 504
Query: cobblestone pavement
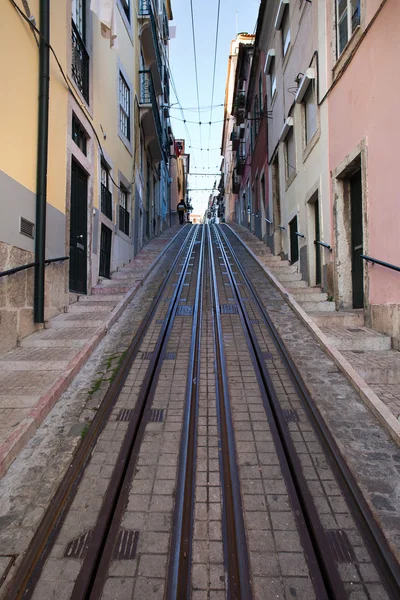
279, 560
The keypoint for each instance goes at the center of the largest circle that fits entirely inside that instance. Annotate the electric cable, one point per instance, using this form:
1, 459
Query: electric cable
195, 67
214, 69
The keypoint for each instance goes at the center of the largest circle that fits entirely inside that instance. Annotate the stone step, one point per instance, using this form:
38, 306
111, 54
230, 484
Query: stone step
289, 277
113, 288
305, 296
80, 307
279, 268
357, 338
318, 306
101, 298
341, 318
34, 365
32, 342
82, 320
309, 290
276, 260
298, 284
376, 367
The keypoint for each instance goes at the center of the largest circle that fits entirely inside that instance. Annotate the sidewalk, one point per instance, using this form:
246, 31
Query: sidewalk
34, 375
374, 374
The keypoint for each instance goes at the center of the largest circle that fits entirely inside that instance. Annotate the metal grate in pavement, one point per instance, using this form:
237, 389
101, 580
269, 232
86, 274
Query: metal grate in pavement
340, 545
184, 310
78, 547
146, 355
125, 548
125, 415
254, 321
170, 356
160, 321
228, 309
290, 415
267, 355
157, 415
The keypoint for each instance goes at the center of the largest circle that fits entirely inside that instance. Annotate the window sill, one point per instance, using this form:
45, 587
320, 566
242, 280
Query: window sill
290, 179
123, 236
126, 142
285, 59
108, 222
273, 99
311, 144
346, 52
85, 103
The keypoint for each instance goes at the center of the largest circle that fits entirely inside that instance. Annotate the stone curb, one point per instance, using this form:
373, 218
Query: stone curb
25, 430
371, 400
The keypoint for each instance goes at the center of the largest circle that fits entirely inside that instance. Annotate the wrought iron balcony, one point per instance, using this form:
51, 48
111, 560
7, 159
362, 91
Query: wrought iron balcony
241, 158
152, 53
239, 106
235, 182
151, 120
124, 220
106, 202
80, 63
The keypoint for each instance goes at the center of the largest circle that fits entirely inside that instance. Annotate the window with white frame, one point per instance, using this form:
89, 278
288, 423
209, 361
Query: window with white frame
272, 75
285, 30
124, 108
290, 153
347, 20
310, 113
78, 16
124, 214
126, 5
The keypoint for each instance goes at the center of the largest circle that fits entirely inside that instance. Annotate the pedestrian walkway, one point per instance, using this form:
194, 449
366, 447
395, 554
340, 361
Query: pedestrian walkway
34, 375
365, 356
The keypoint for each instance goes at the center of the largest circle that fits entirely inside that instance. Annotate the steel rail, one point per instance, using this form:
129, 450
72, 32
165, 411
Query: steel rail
385, 562
92, 575
319, 557
180, 564
28, 572
234, 536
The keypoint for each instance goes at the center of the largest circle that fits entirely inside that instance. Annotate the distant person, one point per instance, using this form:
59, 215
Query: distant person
181, 208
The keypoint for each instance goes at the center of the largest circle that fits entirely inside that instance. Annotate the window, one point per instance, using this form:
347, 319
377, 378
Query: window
310, 113
285, 31
126, 5
106, 196
124, 107
348, 19
290, 151
78, 16
273, 79
79, 135
124, 215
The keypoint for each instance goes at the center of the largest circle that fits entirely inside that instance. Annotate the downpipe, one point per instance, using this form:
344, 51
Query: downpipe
42, 158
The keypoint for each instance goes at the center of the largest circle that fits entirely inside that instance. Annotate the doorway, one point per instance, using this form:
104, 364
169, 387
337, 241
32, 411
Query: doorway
294, 243
105, 251
357, 267
276, 199
78, 230
314, 236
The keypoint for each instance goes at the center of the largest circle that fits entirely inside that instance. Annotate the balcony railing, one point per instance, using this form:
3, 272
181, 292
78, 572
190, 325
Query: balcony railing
106, 202
146, 10
241, 158
148, 96
235, 183
80, 63
124, 220
239, 106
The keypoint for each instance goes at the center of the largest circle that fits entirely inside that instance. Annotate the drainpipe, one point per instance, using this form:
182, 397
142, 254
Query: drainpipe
41, 174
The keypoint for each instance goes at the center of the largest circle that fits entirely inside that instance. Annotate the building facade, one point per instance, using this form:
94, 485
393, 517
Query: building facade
108, 158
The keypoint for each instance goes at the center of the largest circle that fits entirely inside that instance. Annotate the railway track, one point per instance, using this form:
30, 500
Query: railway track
163, 364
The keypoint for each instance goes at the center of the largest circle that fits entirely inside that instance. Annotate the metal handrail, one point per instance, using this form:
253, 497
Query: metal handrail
323, 244
268, 221
380, 262
30, 265
282, 227
299, 234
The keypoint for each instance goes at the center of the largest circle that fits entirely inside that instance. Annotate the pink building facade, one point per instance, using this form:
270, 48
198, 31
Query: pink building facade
364, 122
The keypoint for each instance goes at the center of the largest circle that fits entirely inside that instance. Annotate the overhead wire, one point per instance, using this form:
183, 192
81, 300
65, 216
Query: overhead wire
214, 68
195, 68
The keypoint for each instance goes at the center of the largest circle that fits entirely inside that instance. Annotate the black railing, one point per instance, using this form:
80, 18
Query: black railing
146, 10
30, 265
282, 227
241, 158
239, 106
268, 221
380, 262
124, 220
299, 235
106, 202
235, 183
323, 244
148, 96
80, 63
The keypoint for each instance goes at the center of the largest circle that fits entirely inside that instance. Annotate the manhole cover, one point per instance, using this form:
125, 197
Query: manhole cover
228, 309
78, 547
185, 310
125, 548
340, 545
157, 415
290, 415
125, 414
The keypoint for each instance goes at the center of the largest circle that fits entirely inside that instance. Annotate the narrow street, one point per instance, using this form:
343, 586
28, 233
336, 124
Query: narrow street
228, 458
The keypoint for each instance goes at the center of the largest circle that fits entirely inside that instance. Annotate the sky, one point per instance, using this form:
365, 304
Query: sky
204, 164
